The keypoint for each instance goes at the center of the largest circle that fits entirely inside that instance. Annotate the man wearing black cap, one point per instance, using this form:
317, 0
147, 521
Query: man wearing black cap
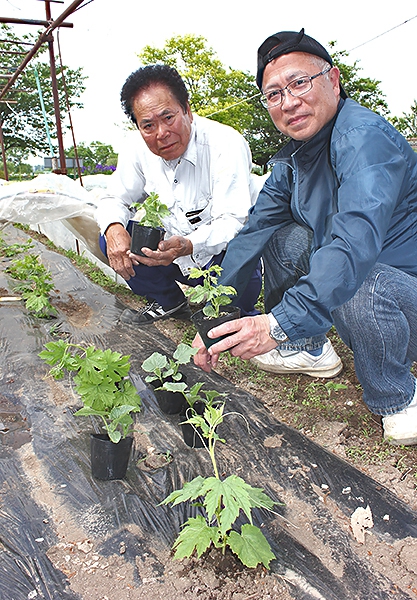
336, 225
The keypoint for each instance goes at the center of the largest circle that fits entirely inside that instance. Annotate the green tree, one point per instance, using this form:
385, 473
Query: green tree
17, 172
232, 97
22, 120
97, 157
226, 95
364, 90
407, 124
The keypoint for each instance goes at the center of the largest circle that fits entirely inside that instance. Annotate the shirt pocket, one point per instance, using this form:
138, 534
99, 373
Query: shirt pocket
201, 214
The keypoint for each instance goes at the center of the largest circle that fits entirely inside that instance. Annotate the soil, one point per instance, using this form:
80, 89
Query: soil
334, 417
329, 412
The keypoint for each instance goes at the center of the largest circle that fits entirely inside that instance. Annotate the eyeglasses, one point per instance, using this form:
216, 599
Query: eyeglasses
296, 88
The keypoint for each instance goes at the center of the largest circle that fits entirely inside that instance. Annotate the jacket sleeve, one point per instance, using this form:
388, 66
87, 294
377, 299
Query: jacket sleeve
370, 171
270, 212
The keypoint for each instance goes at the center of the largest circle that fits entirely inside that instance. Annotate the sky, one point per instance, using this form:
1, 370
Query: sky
107, 35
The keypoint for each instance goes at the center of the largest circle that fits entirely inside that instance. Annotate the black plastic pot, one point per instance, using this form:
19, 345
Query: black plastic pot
171, 403
192, 435
145, 237
109, 460
203, 323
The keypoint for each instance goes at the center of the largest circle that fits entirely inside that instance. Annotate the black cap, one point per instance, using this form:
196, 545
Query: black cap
286, 42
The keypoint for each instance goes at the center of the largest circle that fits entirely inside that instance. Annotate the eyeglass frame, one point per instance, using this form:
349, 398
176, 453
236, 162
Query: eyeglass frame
264, 101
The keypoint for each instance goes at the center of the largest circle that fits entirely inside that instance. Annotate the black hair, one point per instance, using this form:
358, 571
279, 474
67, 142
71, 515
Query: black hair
147, 76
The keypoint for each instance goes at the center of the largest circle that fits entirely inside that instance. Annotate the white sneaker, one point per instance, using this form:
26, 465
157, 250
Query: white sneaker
401, 428
327, 364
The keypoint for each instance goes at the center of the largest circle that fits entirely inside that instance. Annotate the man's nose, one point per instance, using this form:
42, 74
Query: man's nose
288, 99
163, 129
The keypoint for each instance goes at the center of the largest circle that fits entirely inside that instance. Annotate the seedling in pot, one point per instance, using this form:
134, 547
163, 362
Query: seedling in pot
215, 296
151, 211
101, 380
194, 394
147, 230
166, 369
221, 501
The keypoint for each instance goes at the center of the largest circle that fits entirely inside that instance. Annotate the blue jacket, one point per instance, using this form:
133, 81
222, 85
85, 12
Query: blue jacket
355, 186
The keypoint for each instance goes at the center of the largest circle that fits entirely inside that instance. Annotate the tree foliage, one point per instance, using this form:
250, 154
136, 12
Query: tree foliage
363, 90
97, 157
231, 96
23, 121
226, 95
407, 123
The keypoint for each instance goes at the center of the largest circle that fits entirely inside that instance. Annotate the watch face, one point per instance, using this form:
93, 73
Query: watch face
278, 334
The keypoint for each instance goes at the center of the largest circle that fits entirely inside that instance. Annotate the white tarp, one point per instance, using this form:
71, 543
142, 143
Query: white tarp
50, 198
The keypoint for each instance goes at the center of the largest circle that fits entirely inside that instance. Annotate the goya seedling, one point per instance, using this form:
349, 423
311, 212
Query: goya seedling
151, 211
221, 501
101, 380
215, 296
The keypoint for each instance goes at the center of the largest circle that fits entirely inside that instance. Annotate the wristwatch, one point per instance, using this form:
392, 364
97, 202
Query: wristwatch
275, 331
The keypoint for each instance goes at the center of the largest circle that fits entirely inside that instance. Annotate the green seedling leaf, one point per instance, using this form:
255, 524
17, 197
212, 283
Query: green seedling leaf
170, 386
258, 498
190, 491
154, 210
196, 536
198, 295
232, 495
184, 353
251, 546
155, 362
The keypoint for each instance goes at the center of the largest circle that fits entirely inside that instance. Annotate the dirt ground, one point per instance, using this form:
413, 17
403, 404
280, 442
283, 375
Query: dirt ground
331, 413
334, 417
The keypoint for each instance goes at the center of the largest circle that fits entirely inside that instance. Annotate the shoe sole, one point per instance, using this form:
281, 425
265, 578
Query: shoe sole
411, 441
327, 373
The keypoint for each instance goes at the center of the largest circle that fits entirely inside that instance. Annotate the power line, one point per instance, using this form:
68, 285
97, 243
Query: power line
349, 51
381, 34
233, 105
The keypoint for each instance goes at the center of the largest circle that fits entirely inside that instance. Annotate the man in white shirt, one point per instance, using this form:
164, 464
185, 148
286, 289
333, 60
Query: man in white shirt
200, 169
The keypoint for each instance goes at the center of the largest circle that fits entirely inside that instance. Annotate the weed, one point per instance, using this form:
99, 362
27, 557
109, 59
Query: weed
35, 284
243, 368
356, 454
367, 431
10, 250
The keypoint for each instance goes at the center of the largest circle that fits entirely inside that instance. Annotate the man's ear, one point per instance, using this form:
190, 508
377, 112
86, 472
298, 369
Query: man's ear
188, 111
334, 76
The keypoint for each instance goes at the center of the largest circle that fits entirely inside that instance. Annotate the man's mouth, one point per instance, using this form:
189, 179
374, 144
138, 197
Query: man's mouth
168, 147
294, 121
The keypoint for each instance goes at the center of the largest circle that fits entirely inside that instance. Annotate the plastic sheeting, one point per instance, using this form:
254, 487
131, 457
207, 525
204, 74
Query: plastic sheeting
51, 198
45, 470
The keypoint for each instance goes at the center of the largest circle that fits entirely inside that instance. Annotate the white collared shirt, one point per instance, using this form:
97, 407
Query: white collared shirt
213, 175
